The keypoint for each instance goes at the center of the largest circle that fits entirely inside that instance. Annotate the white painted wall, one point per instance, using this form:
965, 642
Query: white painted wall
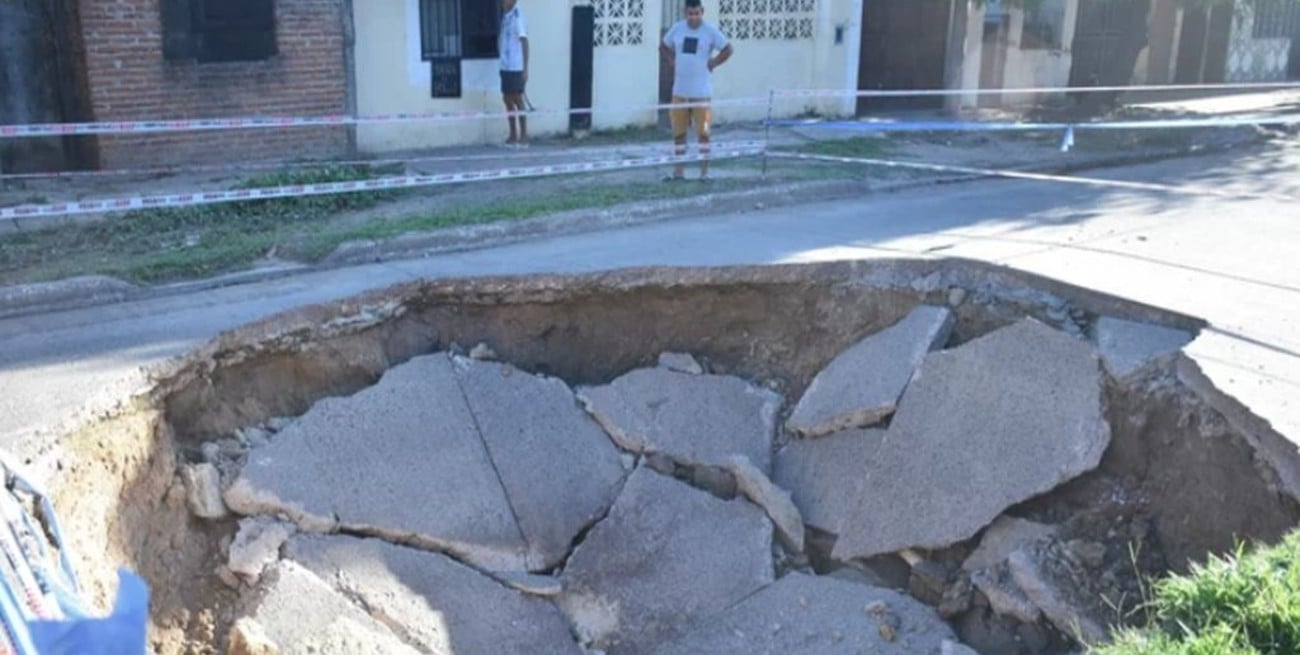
1022, 68
392, 79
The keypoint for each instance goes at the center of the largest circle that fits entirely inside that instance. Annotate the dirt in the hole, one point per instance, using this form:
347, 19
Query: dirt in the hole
1177, 482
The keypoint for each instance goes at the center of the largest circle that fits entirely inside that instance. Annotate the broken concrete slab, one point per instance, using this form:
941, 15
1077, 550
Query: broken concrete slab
814, 615
775, 501
560, 470
300, 614
681, 363
861, 386
436, 604
1004, 595
822, 474
1002, 419
667, 556
257, 546
203, 491
955, 648
1006, 535
1057, 597
1127, 346
695, 419
389, 453
248, 637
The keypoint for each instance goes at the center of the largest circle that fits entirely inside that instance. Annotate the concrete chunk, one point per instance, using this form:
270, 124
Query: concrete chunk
560, 470
698, 419
1005, 596
257, 546
823, 474
1007, 535
1127, 346
681, 363
861, 386
666, 556
815, 616
1054, 596
203, 491
436, 604
774, 500
1002, 419
402, 459
300, 614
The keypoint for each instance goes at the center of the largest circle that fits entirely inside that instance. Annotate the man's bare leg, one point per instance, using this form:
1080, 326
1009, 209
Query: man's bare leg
680, 150
523, 118
514, 121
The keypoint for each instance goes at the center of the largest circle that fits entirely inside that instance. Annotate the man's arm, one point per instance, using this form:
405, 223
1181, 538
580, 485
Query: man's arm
721, 57
523, 42
667, 55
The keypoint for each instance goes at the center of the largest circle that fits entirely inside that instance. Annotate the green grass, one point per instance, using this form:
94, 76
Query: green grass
166, 245
1244, 604
860, 146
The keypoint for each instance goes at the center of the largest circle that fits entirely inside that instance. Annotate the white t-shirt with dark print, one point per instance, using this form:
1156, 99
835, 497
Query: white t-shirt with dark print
513, 28
693, 49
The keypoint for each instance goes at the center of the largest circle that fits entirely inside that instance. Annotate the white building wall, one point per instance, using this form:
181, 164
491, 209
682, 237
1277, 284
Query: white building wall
391, 78
1037, 68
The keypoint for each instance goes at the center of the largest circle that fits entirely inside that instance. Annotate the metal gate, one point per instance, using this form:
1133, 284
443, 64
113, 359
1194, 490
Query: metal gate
904, 46
1101, 27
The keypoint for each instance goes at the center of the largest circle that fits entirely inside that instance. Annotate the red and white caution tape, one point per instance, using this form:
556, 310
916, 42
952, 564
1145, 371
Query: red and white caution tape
356, 186
1043, 177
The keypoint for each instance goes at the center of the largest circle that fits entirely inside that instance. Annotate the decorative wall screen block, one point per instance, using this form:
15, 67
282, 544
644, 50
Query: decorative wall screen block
767, 20
619, 22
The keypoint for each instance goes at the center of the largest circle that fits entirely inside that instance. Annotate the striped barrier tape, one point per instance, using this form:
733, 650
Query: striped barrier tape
538, 153
337, 120
1041, 177
1034, 90
263, 122
356, 186
961, 126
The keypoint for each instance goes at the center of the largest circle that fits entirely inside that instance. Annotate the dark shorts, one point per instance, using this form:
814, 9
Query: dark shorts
512, 82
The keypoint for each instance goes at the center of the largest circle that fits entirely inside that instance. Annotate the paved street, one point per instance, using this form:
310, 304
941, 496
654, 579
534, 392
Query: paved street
1232, 262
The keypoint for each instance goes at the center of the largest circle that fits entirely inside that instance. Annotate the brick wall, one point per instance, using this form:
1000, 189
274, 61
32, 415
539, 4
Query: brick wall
130, 80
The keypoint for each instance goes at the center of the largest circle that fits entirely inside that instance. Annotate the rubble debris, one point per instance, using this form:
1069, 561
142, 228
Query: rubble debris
203, 491
1056, 597
560, 470
409, 436
1006, 535
955, 648
1004, 595
482, 352
695, 419
822, 474
433, 602
1127, 346
681, 363
667, 556
1003, 418
775, 501
817, 615
861, 386
257, 546
247, 637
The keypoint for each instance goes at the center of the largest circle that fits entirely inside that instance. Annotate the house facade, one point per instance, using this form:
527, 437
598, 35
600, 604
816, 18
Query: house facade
160, 59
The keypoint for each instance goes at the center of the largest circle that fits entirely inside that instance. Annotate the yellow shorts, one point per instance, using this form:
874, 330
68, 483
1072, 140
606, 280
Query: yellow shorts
682, 117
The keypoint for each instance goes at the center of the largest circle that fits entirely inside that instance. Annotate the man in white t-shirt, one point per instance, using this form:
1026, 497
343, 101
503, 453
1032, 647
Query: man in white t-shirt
690, 48
513, 46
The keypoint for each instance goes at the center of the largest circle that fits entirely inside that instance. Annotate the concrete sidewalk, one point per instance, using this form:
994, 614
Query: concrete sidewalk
1229, 261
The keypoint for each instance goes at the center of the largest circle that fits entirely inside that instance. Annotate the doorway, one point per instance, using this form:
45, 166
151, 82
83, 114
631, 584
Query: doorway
904, 46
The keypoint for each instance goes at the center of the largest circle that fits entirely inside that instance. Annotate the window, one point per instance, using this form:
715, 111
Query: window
621, 22
1044, 24
1276, 19
459, 28
776, 20
219, 30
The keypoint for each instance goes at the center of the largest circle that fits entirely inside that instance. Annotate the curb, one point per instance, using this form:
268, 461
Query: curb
90, 291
